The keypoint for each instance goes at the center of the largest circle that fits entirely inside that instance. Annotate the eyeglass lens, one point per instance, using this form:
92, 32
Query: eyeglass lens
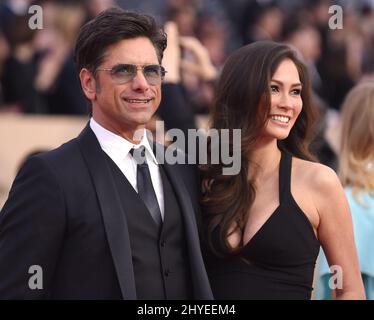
123, 73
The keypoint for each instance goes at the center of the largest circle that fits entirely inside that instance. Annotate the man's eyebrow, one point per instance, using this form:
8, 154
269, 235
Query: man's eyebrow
281, 83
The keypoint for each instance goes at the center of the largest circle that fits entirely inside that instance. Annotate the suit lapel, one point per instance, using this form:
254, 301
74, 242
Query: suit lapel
112, 212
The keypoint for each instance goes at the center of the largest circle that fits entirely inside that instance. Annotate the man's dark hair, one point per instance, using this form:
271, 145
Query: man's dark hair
111, 26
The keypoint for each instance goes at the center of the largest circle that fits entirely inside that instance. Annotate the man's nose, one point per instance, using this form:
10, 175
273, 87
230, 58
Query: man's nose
139, 82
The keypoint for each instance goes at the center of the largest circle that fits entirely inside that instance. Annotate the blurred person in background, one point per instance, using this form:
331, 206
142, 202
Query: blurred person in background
367, 27
18, 78
303, 36
340, 57
261, 20
95, 7
175, 108
184, 14
356, 171
202, 52
155, 8
177, 105
11, 8
198, 74
56, 78
214, 37
39, 75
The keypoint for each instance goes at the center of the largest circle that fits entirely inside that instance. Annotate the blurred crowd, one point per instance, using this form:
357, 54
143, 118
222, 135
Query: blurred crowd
38, 76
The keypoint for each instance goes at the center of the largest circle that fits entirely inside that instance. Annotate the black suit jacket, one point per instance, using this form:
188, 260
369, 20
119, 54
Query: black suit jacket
64, 215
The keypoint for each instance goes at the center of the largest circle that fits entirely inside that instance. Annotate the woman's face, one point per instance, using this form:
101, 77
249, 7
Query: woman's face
286, 102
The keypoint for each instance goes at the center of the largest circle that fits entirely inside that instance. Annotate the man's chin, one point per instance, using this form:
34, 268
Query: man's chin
139, 122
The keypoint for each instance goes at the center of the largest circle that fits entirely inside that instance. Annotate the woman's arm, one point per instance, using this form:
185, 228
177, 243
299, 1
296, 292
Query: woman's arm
335, 233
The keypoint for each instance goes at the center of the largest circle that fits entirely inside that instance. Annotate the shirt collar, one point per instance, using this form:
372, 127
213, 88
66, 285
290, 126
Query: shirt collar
118, 146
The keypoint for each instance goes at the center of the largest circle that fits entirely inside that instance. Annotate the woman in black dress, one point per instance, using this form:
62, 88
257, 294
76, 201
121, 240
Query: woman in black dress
264, 226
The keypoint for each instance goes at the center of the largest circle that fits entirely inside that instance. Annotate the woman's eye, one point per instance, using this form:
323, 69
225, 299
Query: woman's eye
296, 92
274, 89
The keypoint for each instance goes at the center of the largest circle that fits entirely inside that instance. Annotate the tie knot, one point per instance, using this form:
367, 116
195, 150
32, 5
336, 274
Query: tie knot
139, 155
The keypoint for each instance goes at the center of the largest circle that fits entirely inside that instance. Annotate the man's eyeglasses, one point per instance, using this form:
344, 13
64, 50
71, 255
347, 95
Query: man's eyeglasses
122, 73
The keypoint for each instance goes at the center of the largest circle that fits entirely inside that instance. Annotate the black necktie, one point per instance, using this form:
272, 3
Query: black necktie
144, 184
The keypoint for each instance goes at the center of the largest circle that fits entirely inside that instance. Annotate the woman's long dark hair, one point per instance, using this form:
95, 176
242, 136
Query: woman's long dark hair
243, 90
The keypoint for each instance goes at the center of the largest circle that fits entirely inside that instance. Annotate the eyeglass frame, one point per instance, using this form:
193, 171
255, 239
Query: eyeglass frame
138, 67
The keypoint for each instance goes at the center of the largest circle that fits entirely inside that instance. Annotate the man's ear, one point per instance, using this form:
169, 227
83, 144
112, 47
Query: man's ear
88, 83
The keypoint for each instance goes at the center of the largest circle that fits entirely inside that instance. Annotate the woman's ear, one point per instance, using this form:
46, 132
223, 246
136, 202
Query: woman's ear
88, 83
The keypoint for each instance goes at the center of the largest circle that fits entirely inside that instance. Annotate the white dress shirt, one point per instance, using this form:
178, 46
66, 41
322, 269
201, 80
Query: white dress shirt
118, 149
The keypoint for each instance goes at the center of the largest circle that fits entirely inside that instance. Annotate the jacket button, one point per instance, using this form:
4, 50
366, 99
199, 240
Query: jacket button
167, 272
163, 243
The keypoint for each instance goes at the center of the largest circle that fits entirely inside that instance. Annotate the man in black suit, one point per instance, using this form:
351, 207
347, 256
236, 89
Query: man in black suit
100, 217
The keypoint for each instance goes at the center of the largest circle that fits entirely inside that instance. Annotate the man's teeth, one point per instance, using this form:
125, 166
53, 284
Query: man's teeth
137, 101
281, 119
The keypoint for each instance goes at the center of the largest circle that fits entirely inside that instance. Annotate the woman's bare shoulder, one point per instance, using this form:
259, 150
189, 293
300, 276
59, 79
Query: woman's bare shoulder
318, 188
315, 174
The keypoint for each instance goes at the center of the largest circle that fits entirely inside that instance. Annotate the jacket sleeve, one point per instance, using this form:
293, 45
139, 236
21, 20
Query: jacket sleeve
32, 227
